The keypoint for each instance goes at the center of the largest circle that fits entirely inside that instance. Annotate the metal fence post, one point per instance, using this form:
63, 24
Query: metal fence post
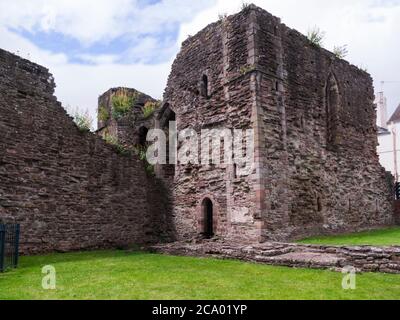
16, 245
2, 246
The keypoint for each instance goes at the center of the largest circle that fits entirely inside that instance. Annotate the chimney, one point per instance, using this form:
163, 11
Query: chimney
382, 111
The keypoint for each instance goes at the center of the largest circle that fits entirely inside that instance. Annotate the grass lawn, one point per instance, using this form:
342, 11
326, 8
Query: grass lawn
384, 237
123, 275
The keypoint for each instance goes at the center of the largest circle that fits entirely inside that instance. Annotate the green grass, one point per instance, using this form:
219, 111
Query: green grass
383, 237
122, 275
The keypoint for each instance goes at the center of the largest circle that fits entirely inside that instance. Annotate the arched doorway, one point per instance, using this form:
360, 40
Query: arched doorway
208, 218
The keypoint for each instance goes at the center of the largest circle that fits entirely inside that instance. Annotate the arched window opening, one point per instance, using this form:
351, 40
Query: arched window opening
319, 204
143, 136
332, 110
165, 117
208, 218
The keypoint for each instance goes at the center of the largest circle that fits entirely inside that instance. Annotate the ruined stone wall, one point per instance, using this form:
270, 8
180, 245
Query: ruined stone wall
316, 171
127, 129
396, 209
318, 119
69, 190
336, 258
218, 52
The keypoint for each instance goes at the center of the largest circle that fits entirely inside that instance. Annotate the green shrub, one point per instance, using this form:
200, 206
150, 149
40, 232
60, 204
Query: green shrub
122, 103
141, 152
83, 120
103, 114
246, 69
149, 108
222, 16
108, 138
340, 51
316, 36
245, 5
363, 68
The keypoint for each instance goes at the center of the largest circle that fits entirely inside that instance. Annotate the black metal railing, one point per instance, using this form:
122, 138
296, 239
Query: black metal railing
397, 190
9, 246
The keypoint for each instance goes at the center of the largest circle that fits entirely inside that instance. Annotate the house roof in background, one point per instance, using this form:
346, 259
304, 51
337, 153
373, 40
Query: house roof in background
396, 116
383, 131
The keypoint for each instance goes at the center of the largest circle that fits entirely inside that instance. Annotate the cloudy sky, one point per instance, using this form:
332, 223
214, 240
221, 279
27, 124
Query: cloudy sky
93, 45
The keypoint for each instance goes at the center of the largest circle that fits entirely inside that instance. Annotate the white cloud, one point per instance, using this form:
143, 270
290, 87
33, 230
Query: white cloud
22, 47
98, 59
369, 28
81, 85
91, 21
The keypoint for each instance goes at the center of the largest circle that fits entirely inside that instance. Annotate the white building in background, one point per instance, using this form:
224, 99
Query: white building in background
388, 137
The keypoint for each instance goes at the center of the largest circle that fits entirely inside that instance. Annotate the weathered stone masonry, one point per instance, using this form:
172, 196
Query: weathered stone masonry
316, 169
69, 190
362, 258
130, 130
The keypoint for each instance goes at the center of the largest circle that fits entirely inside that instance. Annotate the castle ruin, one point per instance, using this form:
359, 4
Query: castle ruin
315, 137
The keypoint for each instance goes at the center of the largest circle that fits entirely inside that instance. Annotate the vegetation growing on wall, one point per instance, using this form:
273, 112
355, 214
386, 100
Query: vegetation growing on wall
222, 16
363, 68
150, 108
340, 51
316, 36
110, 139
83, 120
122, 103
141, 152
103, 114
246, 69
244, 5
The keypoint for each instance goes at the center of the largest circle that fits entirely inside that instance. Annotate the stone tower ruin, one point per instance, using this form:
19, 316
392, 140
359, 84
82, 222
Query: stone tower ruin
316, 167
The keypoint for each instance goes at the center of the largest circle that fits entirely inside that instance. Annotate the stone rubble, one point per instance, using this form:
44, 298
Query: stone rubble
363, 258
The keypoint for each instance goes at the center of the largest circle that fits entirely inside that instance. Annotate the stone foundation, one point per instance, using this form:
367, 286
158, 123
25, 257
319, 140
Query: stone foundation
363, 258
